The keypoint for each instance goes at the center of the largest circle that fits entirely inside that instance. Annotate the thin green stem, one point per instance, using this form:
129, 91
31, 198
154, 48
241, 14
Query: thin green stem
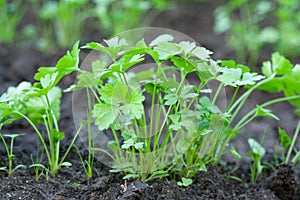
70, 146
240, 102
252, 112
293, 143
37, 131
234, 96
217, 93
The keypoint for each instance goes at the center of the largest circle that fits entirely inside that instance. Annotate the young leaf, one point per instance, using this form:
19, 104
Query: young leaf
134, 106
114, 45
201, 53
260, 111
131, 176
285, 140
185, 182
171, 99
105, 115
167, 50
249, 79
161, 38
57, 135
187, 47
232, 64
256, 147
229, 76
279, 66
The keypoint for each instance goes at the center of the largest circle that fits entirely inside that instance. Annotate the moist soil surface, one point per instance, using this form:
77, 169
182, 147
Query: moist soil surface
19, 64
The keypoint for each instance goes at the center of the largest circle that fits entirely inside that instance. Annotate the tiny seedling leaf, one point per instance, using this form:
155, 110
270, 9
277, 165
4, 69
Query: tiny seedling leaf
66, 164
131, 176
185, 182
285, 140
256, 147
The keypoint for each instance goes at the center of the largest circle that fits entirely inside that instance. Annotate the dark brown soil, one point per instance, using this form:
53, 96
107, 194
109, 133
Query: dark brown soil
18, 64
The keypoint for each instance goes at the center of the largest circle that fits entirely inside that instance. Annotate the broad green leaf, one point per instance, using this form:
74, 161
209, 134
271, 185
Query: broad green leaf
279, 66
187, 93
105, 115
116, 42
127, 144
69, 63
134, 106
167, 50
285, 140
187, 47
114, 94
207, 72
274, 85
291, 87
260, 111
36, 106
127, 135
175, 122
127, 61
183, 63
171, 99
86, 80
114, 45
296, 72
161, 38
66, 65
267, 68
229, 76
201, 53
139, 145
57, 135
249, 79
232, 64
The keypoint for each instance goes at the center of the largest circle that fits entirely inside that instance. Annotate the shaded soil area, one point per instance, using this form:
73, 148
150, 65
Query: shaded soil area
71, 183
18, 64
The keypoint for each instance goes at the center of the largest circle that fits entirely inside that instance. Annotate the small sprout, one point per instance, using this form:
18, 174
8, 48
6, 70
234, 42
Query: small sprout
185, 182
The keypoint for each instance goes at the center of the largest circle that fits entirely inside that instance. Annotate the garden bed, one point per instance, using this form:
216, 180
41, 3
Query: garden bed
219, 182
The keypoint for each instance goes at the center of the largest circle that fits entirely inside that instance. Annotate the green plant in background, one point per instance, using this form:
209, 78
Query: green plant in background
117, 16
256, 154
10, 155
240, 21
287, 142
286, 28
249, 26
61, 22
11, 13
185, 129
40, 104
